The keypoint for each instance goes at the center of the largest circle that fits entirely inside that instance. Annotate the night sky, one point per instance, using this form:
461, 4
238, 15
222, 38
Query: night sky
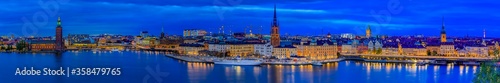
296, 17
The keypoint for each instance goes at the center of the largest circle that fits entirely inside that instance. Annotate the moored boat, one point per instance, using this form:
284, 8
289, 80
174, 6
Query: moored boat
438, 62
471, 63
317, 63
238, 62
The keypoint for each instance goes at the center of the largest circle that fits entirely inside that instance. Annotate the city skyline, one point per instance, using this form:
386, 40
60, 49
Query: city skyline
130, 17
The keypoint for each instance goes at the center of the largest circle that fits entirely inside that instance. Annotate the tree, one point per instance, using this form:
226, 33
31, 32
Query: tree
429, 53
434, 53
21, 45
379, 51
9, 47
488, 73
496, 52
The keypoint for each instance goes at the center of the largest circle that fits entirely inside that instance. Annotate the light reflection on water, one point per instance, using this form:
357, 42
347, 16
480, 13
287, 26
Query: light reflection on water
335, 72
134, 63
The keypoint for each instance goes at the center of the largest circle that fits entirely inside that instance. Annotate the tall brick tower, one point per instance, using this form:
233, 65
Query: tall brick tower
275, 36
59, 39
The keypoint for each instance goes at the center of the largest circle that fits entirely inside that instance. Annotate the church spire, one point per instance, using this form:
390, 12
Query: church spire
442, 21
442, 26
275, 19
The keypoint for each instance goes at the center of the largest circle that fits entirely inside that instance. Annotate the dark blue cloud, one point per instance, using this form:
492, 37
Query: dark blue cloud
304, 17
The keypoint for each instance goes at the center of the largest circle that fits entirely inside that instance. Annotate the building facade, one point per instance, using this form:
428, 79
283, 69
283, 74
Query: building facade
263, 49
42, 45
317, 50
447, 49
284, 51
191, 49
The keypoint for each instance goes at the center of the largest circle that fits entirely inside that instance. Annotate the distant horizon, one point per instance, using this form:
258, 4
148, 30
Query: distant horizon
128, 17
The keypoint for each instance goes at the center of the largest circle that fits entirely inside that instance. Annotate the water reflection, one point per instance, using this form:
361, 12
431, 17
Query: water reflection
198, 71
185, 72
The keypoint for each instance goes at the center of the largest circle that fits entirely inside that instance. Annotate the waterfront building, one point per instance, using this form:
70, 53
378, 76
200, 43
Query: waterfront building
168, 44
82, 45
284, 51
218, 47
362, 48
461, 51
476, 50
447, 49
194, 32
265, 49
368, 32
414, 50
317, 50
59, 40
348, 48
80, 41
275, 36
374, 45
390, 49
190, 49
433, 47
492, 46
143, 41
42, 45
240, 48
443, 32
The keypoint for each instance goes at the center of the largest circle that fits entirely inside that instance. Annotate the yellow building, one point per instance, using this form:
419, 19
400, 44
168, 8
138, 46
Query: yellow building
240, 49
82, 46
190, 49
317, 50
390, 49
447, 49
414, 50
476, 51
431, 47
284, 51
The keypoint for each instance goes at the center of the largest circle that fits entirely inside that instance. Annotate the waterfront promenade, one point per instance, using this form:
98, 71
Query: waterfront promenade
420, 57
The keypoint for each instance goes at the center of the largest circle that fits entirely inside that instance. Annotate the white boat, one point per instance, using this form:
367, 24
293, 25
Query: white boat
317, 63
114, 49
238, 62
421, 62
438, 62
94, 51
471, 63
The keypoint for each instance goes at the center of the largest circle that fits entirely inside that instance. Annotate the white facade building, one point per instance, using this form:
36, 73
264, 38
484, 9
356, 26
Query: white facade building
263, 49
